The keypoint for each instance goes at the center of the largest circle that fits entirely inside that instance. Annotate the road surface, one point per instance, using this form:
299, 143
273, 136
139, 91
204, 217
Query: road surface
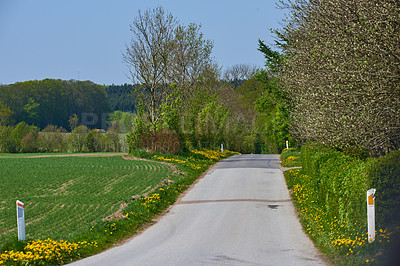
240, 213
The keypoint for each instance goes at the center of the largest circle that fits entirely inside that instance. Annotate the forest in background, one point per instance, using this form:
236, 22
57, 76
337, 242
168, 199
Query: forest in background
48, 110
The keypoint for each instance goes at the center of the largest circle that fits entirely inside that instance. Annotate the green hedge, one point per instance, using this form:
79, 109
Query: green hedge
342, 182
384, 175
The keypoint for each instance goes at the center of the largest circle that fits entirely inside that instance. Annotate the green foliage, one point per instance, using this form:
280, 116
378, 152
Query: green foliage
93, 141
339, 180
342, 181
249, 142
76, 139
250, 91
29, 142
51, 139
31, 110
280, 125
384, 176
356, 152
12, 137
4, 138
73, 121
169, 112
273, 59
204, 119
272, 105
121, 97
120, 121
5, 114
343, 242
113, 141
139, 128
211, 122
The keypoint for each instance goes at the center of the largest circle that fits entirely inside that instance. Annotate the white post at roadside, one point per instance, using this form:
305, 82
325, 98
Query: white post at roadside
371, 214
222, 148
21, 220
287, 144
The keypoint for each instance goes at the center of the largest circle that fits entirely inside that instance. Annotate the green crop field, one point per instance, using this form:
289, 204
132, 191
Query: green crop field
63, 195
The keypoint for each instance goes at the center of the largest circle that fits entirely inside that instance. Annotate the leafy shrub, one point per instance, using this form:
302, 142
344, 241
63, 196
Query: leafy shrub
308, 151
93, 141
77, 138
111, 142
14, 141
29, 142
5, 133
139, 128
21, 138
51, 141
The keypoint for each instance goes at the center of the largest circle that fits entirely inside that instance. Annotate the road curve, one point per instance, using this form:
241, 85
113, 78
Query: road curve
240, 213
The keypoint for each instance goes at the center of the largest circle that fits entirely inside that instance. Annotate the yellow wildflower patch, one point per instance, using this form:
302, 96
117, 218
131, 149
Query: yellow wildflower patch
44, 251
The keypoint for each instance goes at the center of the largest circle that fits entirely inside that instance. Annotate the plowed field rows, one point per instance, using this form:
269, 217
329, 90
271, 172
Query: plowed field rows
65, 194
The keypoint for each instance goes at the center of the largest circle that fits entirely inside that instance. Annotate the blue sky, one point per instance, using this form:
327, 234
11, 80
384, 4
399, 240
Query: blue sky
84, 39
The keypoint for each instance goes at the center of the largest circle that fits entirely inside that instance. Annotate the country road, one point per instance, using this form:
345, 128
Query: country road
239, 213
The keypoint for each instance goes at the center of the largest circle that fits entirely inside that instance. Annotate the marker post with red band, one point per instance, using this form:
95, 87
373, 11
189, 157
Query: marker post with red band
21, 220
371, 214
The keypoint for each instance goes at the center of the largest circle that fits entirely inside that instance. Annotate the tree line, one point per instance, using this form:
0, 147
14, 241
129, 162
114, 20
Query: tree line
24, 138
52, 102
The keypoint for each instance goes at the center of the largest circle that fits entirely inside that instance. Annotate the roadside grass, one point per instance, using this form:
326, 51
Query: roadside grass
95, 233
341, 242
290, 158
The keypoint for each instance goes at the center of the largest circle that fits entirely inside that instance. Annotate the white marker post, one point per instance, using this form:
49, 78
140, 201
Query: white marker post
21, 220
371, 214
222, 148
287, 144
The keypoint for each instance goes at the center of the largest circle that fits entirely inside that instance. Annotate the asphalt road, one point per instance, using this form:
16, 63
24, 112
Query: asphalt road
240, 213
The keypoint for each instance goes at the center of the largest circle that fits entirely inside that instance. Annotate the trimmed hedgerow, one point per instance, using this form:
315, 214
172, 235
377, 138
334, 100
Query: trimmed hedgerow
330, 195
342, 182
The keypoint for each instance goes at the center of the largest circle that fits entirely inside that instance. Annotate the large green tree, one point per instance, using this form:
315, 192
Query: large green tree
163, 52
148, 56
342, 72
